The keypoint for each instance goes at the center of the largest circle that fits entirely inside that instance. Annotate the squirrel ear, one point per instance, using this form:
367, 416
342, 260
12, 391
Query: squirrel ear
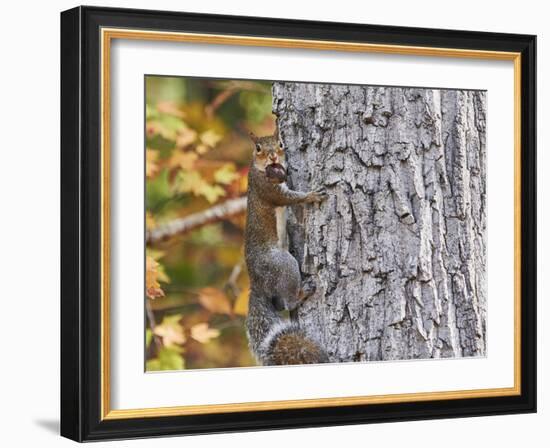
252, 136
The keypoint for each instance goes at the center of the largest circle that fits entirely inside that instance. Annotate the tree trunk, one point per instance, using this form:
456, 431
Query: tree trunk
398, 249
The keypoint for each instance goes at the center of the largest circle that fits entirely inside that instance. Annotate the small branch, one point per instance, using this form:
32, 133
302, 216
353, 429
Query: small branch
152, 324
221, 98
179, 226
231, 283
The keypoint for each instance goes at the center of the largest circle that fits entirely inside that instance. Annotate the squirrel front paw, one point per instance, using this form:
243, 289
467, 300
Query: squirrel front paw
317, 196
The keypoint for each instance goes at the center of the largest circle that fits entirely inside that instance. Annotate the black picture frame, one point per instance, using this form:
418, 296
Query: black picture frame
81, 211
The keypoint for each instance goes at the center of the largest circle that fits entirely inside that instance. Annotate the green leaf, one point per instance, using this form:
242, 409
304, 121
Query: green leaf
152, 365
158, 191
169, 358
256, 104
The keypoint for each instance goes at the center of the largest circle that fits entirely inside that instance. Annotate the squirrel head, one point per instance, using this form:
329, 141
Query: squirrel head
269, 156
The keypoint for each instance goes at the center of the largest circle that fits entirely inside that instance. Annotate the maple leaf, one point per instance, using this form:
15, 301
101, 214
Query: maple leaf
185, 137
189, 182
171, 331
210, 138
152, 286
211, 192
202, 149
193, 182
165, 125
203, 333
156, 255
226, 174
214, 300
184, 160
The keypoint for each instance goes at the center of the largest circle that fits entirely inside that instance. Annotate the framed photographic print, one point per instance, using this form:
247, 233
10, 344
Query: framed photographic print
275, 224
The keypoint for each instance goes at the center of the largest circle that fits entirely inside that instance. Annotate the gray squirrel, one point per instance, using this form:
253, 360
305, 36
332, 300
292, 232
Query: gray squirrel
275, 281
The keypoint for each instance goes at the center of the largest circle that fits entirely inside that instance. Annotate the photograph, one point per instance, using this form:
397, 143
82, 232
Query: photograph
291, 223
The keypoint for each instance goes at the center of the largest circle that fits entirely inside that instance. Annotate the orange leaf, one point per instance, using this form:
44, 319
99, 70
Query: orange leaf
152, 286
214, 300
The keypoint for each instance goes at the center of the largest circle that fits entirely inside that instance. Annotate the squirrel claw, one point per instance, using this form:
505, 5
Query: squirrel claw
318, 195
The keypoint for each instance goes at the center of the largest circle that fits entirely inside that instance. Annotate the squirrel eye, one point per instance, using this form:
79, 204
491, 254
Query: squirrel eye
258, 147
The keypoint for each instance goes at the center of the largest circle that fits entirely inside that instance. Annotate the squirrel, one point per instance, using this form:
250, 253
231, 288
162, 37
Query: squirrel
275, 280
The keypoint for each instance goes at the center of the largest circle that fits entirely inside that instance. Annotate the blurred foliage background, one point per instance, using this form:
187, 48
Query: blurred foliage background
197, 157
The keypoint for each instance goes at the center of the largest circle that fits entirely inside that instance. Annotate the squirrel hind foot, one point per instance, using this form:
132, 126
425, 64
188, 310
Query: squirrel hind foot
309, 287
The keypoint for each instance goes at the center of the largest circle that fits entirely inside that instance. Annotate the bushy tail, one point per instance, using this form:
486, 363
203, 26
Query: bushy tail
278, 341
286, 344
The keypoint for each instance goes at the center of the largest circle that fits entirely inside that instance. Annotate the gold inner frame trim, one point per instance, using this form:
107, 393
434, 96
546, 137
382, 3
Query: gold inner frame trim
107, 35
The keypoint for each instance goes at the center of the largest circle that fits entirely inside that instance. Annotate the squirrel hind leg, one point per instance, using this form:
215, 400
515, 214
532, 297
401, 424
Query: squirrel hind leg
307, 289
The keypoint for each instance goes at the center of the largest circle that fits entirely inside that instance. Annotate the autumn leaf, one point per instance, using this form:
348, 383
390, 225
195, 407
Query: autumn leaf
171, 331
210, 138
156, 255
188, 181
193, 182
211, 192
184, 160
202, 149
203, 333
241, 303
167, 126
152, 286
151, 165
185, 137
214, 300
226, 174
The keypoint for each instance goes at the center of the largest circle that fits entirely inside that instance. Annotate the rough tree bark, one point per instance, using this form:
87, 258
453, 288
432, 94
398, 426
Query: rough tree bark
399, 247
